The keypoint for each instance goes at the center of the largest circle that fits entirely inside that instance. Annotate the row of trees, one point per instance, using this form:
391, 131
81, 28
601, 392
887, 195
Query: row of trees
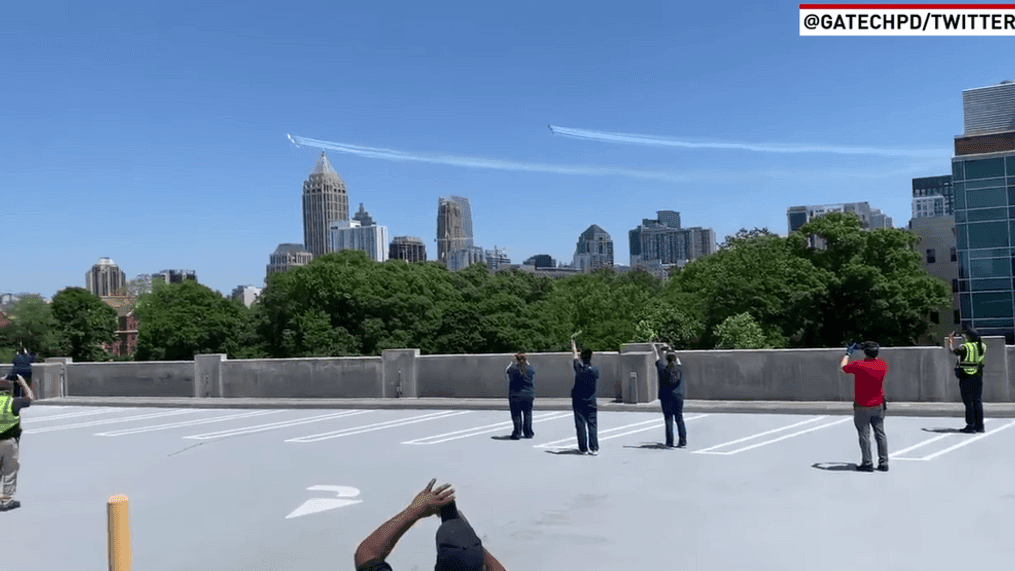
758, 290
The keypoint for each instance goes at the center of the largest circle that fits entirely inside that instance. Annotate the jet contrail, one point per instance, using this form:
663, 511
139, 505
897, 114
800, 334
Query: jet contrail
484, 163
669, 142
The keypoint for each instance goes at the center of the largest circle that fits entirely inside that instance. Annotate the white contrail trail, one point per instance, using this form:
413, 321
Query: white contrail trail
484, 163
669, 142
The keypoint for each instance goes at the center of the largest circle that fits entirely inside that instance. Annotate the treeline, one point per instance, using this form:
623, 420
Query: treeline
758, 290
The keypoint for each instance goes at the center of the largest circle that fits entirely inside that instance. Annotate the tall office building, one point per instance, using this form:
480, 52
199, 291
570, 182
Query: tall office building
105, 278
349, 235
175, 276
286, 257
247, 294
464, 257
662, 242
408, 248
983, 181
594, 250
363, 217
870, 218
454, 226
324, 201
933, 196
497, 259
540, 261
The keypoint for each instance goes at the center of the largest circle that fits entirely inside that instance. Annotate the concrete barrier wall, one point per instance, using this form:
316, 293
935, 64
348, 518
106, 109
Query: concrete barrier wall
130, 379
479, 376
324, 377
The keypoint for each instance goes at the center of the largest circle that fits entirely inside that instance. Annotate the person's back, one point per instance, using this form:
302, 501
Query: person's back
671, 378
522, 379
869, 387
586, 377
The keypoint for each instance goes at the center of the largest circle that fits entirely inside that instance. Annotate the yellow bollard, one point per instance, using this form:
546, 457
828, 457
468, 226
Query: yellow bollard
118, 529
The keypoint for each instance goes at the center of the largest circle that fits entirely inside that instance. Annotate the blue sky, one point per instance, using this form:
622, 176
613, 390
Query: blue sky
155, 133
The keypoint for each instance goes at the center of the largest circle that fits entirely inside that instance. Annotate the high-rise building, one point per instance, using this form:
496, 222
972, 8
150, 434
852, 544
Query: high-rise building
938, 251
497, 259
105, 278
983, 182
464, 257
349, 235
175, 276
324, 201
594, 250
933, 196
408, 248
870, 218
363, 217
286, 257
662, 242
540, 261
454, 226
247, 294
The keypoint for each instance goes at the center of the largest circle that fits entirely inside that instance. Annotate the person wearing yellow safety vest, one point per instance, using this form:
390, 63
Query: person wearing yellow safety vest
969, 370
10, 437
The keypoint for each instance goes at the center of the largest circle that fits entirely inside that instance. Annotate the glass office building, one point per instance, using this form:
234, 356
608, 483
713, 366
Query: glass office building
984, 189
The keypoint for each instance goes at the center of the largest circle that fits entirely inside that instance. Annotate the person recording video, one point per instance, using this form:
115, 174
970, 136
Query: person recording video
521, 393
458, 546
10, 438
868, 402
972, 355
671, 394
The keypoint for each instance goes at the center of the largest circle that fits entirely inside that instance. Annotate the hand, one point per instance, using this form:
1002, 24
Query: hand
576, 335
430, 501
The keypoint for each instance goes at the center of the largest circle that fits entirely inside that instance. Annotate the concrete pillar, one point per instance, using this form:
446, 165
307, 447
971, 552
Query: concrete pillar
54, 376
996, 371
398, 373
643, 385
208, 375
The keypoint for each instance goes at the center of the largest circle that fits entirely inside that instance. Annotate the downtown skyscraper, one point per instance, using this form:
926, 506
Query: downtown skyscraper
324, 201
454, 226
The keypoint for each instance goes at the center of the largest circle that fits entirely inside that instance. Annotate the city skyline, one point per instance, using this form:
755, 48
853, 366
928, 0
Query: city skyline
173, 151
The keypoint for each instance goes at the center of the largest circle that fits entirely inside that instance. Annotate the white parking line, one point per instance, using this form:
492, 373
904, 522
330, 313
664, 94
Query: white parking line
656, 423
127, 431
274, 425
774, 440
961, 444
752, 437
65, 415
924, 443
107, 421
483, 429
378, 426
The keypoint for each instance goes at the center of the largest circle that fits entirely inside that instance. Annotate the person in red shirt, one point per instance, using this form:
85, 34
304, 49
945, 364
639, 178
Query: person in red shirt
868, 402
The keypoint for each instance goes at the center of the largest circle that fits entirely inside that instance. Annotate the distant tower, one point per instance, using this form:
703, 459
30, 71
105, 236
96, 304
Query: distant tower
105, 278
324, 201
408, 248
286, 257
454, 226
594, 250
363, 217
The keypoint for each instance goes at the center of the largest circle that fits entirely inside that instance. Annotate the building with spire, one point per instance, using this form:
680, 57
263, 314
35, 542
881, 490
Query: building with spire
105, 278
324, 201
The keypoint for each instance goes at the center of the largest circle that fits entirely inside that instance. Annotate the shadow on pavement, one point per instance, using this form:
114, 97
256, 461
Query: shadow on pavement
500, 438
653, 446
573, 452
835, 466
942, 430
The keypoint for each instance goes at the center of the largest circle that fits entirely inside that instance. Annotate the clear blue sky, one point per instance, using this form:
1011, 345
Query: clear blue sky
155, 133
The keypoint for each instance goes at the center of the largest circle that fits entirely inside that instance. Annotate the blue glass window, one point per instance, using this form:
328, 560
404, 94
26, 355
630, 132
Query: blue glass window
960, 198
957, 171
988, 235
960, 215
986, 183
963, 285
982, 214
966, 305
1011, 165
990, 253
1011, 195
960, 236
990, 268
986, 198
984, 168
992, 304
991, 285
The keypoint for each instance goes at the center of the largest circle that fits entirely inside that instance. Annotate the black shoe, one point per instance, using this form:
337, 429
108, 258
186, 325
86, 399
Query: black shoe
882, 467
968, 430
980, 430
865, 468
15, 504
682, 444
515, 437
530, 435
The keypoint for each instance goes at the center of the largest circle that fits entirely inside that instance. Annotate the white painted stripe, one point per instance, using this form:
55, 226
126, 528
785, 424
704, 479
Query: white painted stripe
967, 442
573, 439
378, 426
186, 423
107, 421
274, 425
752, 437
476, 430
773, 441
657, 425
65, 415
924, 443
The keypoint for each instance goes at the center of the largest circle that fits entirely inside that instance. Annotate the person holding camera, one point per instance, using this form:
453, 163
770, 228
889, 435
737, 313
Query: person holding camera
969, 370
583, 399
868, 402
10, 438
521, 393
22, 365
458, 546
671, 394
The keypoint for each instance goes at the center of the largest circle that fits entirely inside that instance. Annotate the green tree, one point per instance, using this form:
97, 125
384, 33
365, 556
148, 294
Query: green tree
32, 327
740, 332
666, 323
178, 320
84, 324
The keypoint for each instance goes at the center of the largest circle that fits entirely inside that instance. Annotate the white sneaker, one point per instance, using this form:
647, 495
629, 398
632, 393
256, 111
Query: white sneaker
594, 452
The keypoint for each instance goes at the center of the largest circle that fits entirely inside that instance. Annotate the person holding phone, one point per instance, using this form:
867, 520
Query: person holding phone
521, 394
972, 355
10, 438
583, 399
458, 546
868, 402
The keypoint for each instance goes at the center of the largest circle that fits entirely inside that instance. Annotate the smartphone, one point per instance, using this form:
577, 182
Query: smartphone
450, 511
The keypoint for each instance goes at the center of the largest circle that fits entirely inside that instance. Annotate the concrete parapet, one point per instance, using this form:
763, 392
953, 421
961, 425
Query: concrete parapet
146, 378
324, 377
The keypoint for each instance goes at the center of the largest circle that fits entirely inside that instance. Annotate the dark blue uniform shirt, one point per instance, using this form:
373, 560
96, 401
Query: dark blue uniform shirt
671, 381
586, 377
521, 383
23, 365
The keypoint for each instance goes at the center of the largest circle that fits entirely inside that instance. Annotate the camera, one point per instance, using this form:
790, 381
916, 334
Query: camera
450, 511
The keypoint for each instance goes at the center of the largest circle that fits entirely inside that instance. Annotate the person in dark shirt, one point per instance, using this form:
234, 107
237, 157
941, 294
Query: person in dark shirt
521, 393
22, 366
671, 395
583, 399
969, 370
868, 402
458, 546
10, 437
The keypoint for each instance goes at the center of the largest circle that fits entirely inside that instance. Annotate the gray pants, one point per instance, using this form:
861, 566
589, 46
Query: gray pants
8, 470
865, 417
